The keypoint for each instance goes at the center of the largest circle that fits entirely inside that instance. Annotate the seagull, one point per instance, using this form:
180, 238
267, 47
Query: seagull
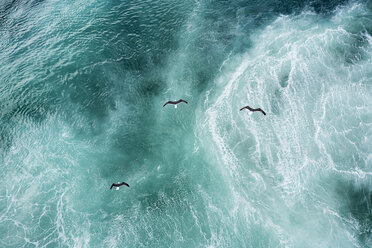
253, 110
117, 185
175, 102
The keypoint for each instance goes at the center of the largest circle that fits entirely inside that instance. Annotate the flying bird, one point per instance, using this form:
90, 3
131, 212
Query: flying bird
175, 102
117, 185
253, 110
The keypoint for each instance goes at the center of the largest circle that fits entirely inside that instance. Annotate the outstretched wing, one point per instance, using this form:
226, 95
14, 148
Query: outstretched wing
244, 108
112, 186
124, 183
167, 103
181, 100
263, 112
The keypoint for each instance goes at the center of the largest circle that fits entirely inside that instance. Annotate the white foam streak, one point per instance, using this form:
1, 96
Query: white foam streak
313, 88
215, 111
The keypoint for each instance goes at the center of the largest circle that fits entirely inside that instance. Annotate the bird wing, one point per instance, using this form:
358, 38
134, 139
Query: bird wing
181, 100
167, 103
263, 112
112, 186
121, 184
243, 108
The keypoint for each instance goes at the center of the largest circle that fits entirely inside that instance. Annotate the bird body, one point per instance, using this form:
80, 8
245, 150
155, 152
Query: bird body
175, 102
117, 185
253, 109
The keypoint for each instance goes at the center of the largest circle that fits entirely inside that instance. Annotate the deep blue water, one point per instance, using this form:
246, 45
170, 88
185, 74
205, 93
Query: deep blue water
82, 88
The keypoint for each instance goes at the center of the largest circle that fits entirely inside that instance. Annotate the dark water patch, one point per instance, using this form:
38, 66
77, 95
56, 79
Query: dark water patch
259, 12
22, 105
283, 74
203, 73
7, 7
6, 139
276, 102
14, 14
325, 7
283, 80
87, 94
27, 110
352, 50
91, 92
152, 88
131, 143
143, 33
356, 204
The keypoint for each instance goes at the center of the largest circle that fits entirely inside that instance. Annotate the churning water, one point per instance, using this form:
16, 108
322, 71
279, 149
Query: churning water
82, 85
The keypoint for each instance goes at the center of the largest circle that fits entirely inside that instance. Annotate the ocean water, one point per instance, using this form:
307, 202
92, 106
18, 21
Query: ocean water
82, 88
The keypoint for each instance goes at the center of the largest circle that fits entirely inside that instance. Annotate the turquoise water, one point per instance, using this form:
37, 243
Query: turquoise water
82, 85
